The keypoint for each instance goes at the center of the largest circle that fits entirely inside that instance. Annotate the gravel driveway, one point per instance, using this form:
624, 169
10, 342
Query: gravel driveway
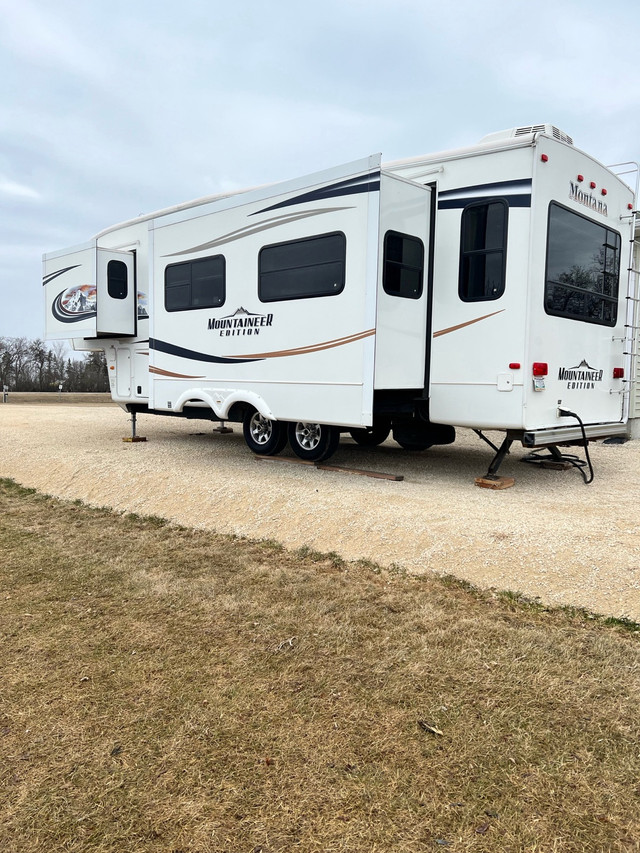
548, 536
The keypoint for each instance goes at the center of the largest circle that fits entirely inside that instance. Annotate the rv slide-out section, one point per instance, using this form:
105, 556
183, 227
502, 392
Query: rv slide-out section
90, 292
484, 287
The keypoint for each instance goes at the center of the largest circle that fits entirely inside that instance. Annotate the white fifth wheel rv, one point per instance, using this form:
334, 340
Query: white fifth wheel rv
484, 287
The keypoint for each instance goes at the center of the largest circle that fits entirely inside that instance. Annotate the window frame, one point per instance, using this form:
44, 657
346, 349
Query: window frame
386, 261
110, 281
462, 291
604, 298
309, 238
191, 263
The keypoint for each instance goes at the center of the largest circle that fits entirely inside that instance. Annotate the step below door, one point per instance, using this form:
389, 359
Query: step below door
116, 293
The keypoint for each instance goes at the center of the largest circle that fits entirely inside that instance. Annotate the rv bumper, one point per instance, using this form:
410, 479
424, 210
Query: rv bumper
567, 435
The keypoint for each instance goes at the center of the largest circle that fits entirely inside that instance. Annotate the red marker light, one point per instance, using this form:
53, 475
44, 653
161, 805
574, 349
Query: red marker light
580, 178
629, 207
592, 185
540, 368
618, 372
603, 191
514, 365
544, 158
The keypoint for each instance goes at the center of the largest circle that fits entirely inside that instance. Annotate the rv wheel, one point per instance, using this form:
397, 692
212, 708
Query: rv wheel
263, 436
371, 436
313, 442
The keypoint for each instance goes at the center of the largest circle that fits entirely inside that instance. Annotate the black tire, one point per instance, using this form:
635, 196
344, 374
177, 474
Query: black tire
313, 442
421, 436
263, 436
371, 436
409, 445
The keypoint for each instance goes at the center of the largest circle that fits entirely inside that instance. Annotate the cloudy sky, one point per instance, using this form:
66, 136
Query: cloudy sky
111, 109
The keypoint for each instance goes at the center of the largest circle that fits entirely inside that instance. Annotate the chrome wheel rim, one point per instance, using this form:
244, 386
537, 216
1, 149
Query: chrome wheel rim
308, 435
261, 429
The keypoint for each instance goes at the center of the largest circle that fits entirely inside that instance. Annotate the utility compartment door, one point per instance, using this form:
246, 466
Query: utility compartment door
116, 293
123, 372
69, 281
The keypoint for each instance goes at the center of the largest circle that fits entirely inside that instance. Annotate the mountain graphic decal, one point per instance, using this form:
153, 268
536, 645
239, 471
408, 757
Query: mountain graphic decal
241, 312
584, 365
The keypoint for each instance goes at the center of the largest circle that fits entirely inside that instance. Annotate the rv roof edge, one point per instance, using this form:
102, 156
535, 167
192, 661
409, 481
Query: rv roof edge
495, 145
249, 194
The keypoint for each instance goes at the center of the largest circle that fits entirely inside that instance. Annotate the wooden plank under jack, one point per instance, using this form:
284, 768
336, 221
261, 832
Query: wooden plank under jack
321, 466
495, 482
135, 438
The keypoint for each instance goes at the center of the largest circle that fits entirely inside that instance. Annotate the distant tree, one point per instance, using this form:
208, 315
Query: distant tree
32, 366
95, 370
38, 357
57, 357
17, 361
5, 362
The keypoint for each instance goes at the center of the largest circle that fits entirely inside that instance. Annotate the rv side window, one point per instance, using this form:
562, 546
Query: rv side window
403, 265
583, 268
302, 268
483, 249
195, 284
117, 280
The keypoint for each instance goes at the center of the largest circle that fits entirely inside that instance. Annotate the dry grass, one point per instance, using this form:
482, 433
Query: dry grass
171, 690
18, 398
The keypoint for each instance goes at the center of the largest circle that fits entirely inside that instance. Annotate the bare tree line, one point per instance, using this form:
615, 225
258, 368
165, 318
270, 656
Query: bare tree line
32, 365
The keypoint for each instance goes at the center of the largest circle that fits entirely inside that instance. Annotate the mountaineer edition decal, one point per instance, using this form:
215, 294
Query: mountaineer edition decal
241, 322
582, 377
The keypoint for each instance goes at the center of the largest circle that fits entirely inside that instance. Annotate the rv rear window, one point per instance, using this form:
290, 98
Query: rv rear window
117, 286
483, 249
301, 269
403, 265
195, 284
583, 268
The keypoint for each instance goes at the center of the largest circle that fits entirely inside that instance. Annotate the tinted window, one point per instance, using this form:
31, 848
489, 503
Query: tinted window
583, 268
117, 286
302, 268
195, 284
403, 265
483, 246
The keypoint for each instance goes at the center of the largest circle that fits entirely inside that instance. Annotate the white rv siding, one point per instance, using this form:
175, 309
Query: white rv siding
308, 359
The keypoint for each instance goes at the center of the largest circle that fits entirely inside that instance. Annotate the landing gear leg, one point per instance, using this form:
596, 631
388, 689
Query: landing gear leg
134, 437
491, 480
498, 459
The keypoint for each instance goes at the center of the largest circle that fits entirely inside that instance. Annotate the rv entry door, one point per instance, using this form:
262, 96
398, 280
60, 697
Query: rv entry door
116, 293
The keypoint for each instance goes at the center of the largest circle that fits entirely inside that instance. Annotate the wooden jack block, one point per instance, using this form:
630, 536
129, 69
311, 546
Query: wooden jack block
495, 482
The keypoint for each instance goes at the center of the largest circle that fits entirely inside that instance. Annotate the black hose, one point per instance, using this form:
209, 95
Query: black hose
572, 460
